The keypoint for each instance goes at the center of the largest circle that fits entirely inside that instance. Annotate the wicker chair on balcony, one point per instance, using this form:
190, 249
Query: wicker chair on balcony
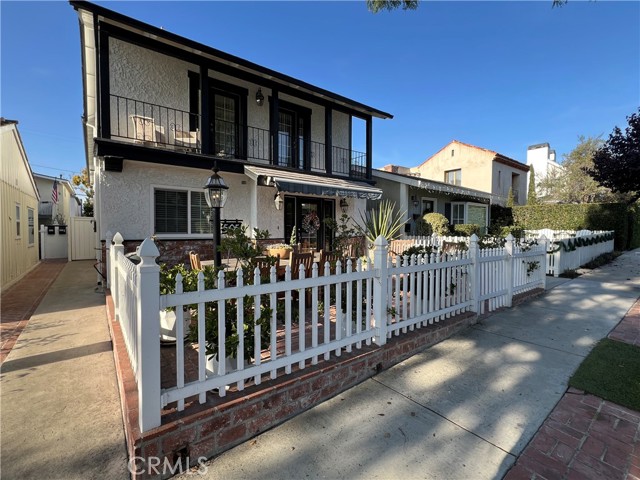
146, 131
184, 139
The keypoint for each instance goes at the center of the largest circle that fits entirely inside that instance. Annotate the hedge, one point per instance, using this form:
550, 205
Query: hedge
634, 225
579, 216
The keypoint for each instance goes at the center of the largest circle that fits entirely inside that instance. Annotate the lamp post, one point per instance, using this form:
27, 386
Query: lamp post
215, 193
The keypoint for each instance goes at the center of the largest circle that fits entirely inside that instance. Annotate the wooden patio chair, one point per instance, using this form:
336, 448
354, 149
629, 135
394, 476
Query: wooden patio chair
195, 260
297, 259
332, 258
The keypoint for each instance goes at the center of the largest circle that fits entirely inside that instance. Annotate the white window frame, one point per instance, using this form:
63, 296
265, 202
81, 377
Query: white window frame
486, 211
31, 225
454, 182
18, 221
464, 212
181, 235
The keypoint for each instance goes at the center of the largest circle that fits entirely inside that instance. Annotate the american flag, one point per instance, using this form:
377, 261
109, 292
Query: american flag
54, 192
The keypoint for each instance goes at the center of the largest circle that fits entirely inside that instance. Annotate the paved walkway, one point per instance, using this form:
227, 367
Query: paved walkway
19, 301
585, 436
60, 413
465, 408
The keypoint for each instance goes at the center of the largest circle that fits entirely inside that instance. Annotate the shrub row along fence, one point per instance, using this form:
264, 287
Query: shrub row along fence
567, 249
281, 325
571, 250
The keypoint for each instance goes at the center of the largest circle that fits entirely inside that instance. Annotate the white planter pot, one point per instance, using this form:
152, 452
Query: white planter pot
168, 325
230, 364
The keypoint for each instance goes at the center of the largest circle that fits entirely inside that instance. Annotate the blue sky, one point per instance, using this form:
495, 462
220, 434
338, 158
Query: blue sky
499, 75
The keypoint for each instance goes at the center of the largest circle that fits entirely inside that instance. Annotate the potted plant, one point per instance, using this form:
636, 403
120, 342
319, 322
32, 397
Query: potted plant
168, 316
232, 337
282, 250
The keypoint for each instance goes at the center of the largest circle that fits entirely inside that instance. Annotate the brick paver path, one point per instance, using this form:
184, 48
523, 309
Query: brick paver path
628, 330
586, 437
19, 301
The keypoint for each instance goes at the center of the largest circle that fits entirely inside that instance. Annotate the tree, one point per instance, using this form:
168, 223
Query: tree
510, 198
83, 182
573, 184
616, 164
532, 196
375, 6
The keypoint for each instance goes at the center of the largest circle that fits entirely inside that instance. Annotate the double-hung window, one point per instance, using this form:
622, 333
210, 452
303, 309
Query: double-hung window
457, 213
31, 225
180, 212
18, 220
453, 177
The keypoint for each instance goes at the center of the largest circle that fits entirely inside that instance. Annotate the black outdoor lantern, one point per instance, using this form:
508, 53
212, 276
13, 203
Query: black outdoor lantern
215, 193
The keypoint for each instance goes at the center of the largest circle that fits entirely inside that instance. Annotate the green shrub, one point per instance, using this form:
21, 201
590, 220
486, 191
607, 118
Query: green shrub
418, 250
438, 223
578, 216
514, 230
500, 217
466, 229
634, 225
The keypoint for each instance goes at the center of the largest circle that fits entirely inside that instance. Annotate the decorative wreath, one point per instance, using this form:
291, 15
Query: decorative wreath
311, 223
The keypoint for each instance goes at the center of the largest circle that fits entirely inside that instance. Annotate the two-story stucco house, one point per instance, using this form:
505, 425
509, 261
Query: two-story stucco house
161, 110
477, 168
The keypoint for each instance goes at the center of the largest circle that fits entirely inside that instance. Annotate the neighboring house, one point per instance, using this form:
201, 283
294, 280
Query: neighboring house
544, 164
19, 206
468, 166
418, 196
162, 110
59, 208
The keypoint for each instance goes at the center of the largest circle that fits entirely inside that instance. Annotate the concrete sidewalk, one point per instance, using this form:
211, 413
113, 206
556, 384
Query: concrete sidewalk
464, 408
61, 416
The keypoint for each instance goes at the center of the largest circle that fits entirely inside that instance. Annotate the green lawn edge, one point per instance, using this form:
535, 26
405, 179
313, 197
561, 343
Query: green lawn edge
612, 372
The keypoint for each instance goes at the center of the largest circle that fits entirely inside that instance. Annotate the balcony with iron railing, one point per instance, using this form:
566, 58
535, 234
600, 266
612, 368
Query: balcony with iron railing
158, 126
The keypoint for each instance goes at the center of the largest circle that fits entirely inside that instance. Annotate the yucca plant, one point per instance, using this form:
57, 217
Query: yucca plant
383, 220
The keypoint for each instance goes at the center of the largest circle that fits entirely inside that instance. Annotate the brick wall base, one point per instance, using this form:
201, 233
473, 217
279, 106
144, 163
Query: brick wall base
207, 430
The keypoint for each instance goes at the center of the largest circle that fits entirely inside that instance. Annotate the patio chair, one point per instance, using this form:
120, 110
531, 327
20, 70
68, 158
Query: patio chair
183, 138
297, 259
145, 130
332, 258
195, 260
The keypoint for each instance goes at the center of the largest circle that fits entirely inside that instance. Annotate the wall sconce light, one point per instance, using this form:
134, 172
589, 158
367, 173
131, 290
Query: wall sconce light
278, 201
344, 205
415, 204
259, 97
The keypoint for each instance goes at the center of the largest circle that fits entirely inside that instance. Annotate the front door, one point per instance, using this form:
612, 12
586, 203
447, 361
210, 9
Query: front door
306, 215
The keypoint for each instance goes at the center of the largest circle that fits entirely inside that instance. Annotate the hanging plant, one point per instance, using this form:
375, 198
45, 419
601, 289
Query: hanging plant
311, 223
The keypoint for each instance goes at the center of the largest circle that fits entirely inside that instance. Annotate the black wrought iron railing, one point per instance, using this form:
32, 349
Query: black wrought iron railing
155, 125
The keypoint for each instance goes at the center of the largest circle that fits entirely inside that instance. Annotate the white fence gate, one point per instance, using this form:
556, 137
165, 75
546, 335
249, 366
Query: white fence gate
82, 239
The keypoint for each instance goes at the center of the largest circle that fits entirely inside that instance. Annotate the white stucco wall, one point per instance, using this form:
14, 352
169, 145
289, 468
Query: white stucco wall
127, 197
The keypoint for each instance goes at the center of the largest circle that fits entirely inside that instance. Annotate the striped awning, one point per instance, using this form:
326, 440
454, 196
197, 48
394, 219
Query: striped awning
308, 184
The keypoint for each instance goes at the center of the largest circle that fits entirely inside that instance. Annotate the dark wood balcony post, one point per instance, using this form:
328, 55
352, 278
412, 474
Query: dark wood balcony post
205, 121
275, 122
104, 113
328, 139
369, 147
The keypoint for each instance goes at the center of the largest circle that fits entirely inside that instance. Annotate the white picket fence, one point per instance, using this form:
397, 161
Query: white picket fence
382, 298
569, 250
